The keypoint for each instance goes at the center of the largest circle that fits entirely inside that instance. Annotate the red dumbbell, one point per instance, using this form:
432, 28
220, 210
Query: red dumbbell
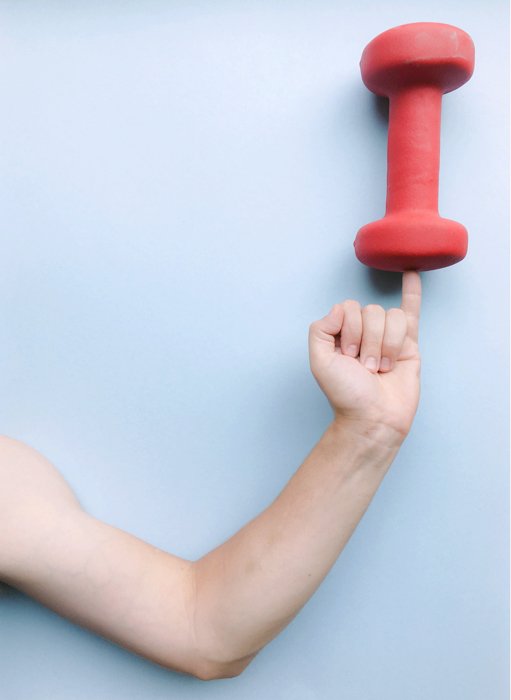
414, 65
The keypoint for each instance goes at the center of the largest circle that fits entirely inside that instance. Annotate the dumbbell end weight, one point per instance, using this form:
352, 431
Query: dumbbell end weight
418, 53
411, 241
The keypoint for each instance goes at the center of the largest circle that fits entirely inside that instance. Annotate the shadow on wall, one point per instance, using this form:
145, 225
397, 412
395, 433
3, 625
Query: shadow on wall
384, 282
381, 108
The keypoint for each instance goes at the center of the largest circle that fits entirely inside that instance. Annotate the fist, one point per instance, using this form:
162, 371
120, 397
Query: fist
367, 361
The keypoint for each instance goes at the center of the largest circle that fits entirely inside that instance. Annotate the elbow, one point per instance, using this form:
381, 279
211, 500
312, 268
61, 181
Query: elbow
210, 658
201, 667
208, 670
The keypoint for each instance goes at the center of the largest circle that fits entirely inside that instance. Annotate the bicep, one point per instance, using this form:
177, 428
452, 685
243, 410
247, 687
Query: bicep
92, 573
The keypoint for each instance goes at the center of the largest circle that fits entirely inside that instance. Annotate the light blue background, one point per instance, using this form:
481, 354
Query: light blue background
181, 183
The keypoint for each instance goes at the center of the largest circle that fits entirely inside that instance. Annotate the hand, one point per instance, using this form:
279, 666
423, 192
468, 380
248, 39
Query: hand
367, 361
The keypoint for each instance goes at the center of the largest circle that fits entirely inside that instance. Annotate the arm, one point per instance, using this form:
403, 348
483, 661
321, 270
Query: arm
252, 586
210, 617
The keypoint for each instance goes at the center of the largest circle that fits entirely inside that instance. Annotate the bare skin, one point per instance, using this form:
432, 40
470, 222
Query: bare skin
210, 617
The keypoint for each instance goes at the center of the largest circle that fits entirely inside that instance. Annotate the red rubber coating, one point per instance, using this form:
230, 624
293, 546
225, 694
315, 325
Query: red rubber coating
414, 65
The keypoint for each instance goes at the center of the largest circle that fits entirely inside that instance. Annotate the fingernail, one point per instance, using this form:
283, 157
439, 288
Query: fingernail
352, 350
370, 363
385, 364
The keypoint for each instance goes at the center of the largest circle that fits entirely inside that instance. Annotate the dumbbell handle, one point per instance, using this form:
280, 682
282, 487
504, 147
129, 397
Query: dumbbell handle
413, 152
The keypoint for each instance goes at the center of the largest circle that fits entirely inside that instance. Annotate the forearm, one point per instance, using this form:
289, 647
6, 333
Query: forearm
253, 585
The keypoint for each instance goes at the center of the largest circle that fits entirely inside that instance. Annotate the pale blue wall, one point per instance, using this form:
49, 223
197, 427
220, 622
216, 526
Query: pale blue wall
181, 183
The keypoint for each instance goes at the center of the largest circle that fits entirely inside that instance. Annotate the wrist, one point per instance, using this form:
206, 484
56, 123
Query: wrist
358, 448
373, 434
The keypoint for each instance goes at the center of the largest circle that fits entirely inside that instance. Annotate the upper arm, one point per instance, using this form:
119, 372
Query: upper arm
97, 575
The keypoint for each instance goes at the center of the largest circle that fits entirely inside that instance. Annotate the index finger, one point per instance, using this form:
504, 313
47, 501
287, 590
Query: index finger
411, 301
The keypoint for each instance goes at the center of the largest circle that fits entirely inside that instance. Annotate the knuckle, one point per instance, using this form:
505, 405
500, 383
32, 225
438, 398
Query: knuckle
372, 344
374, 309
395, 311
391, 347
352, 304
